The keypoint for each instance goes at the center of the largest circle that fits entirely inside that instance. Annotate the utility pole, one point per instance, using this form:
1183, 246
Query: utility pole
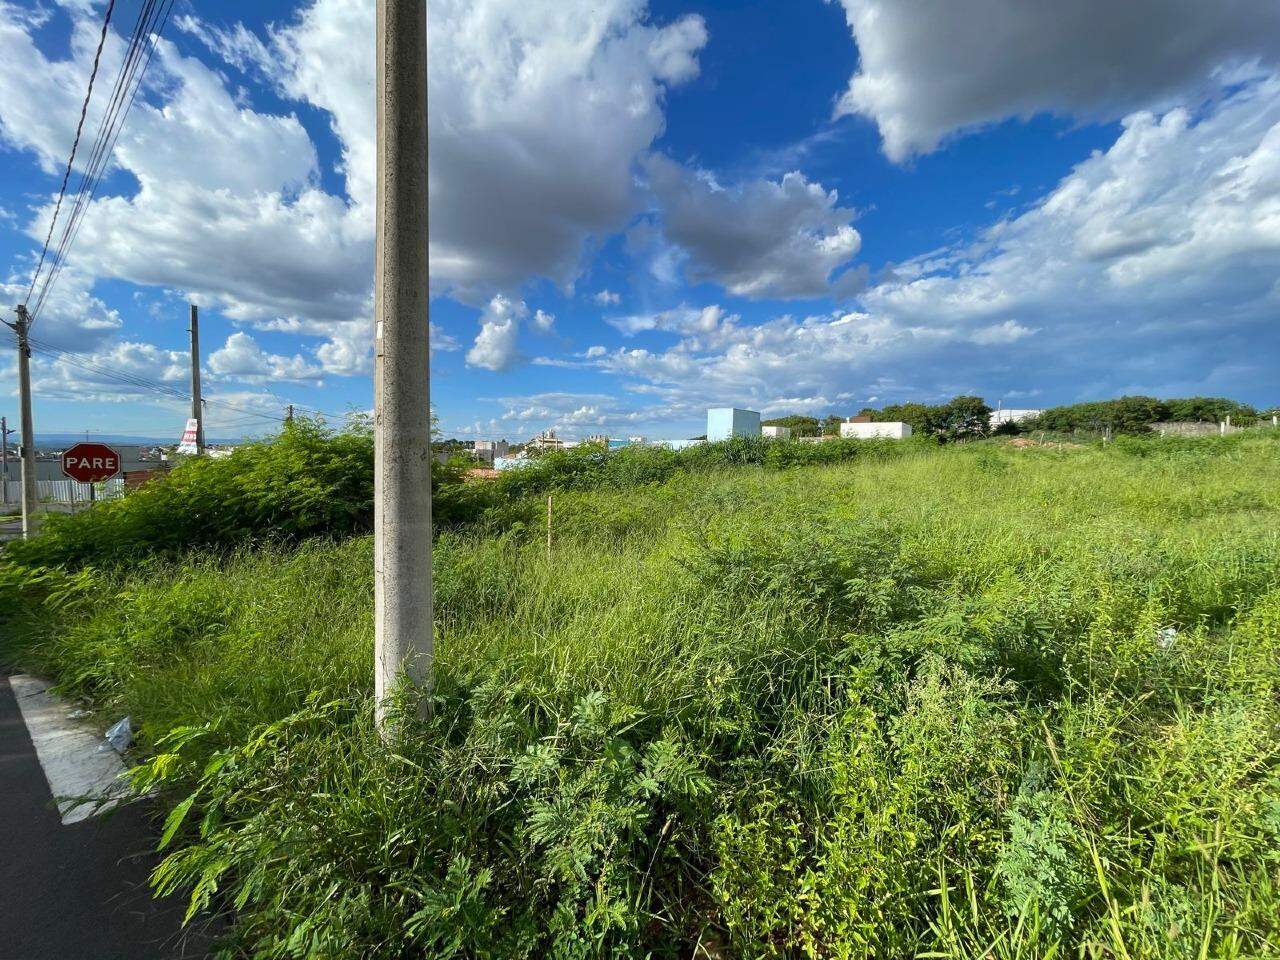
4, 457
288, 414
30, 501
197, 409
402, 393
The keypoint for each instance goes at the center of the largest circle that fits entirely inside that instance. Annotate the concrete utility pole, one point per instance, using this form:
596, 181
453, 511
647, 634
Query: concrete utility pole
4, 458
197, 408
402, 394
30, 501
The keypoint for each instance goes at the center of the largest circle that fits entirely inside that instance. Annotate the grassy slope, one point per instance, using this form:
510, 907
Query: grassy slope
873, 710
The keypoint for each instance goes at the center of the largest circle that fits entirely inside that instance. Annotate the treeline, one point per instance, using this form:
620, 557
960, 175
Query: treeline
313, 481
1135, 415
968, 417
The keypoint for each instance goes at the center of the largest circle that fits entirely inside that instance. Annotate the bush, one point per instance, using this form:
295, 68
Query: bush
308, 481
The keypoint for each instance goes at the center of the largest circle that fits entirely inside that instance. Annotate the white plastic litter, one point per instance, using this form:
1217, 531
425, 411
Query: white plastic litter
120, 736
1165, 637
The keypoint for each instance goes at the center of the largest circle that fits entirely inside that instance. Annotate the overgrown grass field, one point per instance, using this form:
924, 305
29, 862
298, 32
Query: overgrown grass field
970, 701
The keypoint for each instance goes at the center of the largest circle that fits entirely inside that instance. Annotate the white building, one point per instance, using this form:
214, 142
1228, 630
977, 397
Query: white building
726, 422
1012, 416
546, 440
893, 430
776, 432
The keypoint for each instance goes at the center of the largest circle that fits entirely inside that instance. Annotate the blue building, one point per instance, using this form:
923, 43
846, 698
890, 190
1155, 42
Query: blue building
726, 422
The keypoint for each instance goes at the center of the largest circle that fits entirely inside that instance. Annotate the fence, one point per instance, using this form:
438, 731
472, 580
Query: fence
65, 491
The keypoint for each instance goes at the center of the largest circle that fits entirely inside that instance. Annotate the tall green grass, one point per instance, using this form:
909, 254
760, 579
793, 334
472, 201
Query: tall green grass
974, 702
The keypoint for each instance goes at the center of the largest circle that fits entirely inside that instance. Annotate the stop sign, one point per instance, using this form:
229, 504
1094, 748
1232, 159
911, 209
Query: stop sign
90, 462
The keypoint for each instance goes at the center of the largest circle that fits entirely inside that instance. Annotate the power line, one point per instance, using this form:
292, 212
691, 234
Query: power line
75, 144
106, 371
129, 80
153, 15
128, 378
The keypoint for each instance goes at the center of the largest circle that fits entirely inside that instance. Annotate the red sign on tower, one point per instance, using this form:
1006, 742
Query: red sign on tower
90, 462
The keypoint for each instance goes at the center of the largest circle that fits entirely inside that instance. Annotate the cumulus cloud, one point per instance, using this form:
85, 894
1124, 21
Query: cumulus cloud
73, 318
495, 347
496, 344
84, 376
1150, 268
242, 358
788, 362
684, 320
224, 207
572, 415
538, 112
1173, 233
929, 68
761, 239
607, 298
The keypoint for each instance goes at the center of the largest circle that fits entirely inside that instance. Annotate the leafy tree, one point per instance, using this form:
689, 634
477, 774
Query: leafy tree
801, 426
917, 415
964, 418
1210, 410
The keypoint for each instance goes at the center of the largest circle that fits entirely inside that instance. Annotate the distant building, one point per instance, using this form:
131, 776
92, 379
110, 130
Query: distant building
726, 422
1012, 416
862, 430
776, 432
546, 440
486, 451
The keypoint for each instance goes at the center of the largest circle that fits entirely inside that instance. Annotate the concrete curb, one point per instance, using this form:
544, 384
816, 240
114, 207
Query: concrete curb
85, 775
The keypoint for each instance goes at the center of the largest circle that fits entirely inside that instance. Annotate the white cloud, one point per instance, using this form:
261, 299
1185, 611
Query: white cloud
72, 317
242, 358
767, 365
1174, 230
83, 376
607, 298
929, 68
495, 347
543, 322
571, 415
684, 320
1149, 268
538, 112
761, 239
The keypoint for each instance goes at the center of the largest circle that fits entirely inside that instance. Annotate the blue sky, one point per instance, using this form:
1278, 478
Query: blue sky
641, 210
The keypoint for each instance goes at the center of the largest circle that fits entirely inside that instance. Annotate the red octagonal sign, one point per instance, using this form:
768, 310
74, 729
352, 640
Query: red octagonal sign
90, 462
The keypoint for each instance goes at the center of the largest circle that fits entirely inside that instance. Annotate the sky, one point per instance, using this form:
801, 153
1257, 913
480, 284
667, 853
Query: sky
642, 209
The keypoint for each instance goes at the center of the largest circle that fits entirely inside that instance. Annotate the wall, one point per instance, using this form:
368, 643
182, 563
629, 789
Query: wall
726, 422
865, 431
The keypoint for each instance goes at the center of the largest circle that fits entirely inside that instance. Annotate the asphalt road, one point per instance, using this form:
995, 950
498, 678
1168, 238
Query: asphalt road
76, 892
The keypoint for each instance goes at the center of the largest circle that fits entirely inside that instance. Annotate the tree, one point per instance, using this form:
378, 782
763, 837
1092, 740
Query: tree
964, 418
801, 426
917, 415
